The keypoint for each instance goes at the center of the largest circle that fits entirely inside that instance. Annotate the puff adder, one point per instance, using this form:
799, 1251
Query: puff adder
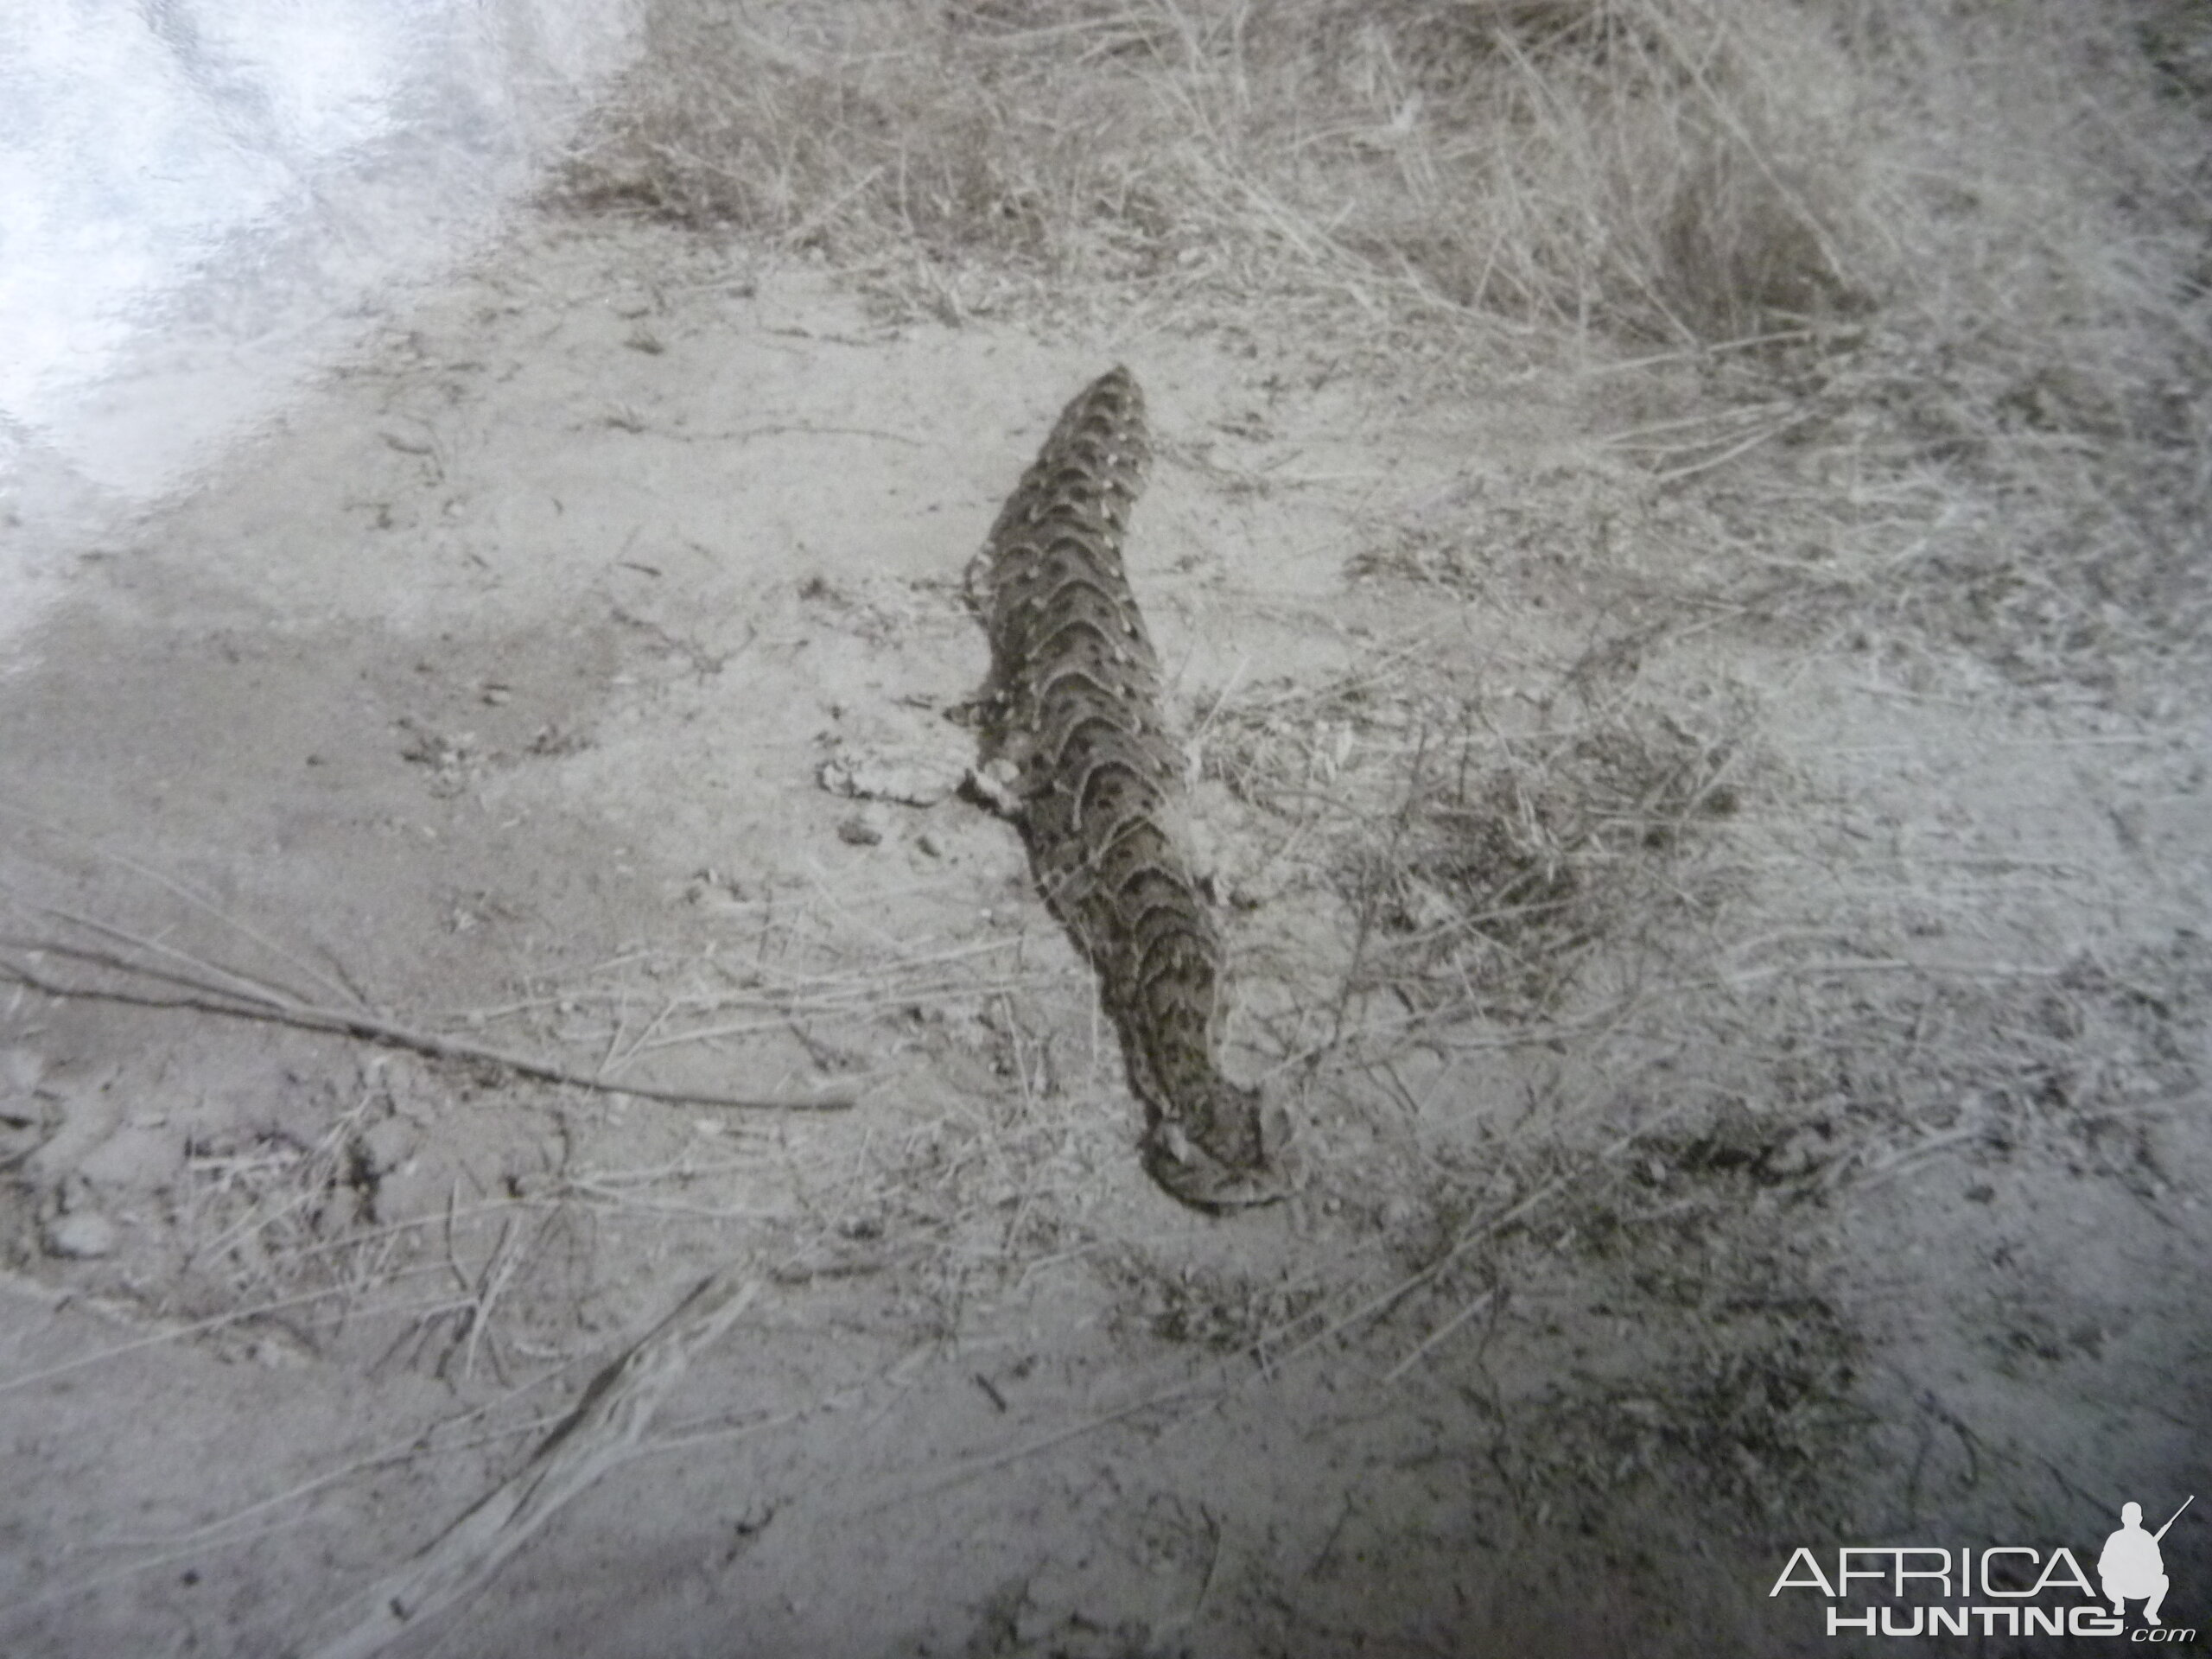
1076, 750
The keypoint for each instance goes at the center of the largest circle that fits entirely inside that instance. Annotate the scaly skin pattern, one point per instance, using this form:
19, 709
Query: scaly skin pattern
1075, 748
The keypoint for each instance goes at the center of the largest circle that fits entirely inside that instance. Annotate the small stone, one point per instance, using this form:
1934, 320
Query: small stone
80, 1235
910, 774
861, 829
928, 845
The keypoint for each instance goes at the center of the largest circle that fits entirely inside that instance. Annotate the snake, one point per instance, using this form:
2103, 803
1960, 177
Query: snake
1075, 749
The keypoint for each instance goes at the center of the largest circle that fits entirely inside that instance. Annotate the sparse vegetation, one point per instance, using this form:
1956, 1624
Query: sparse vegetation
1477, 866
1940, 269
1622, 1020
1912, 305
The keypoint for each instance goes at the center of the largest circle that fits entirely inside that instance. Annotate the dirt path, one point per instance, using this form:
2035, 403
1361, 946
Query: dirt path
1854, 1199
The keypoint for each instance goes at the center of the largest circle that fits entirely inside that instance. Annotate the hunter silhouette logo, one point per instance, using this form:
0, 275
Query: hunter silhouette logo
2131, 1565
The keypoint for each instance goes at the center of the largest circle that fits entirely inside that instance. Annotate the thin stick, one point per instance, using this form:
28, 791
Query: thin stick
985, 1464
198, 901
1441, 1333
415, 1442
249, 988
215, 1322
1369, 898
605, 1430
1692, 468
370, 1027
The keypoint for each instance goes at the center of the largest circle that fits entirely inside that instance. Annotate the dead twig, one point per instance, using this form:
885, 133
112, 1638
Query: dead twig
605, 1431
196, 1328
275, 1009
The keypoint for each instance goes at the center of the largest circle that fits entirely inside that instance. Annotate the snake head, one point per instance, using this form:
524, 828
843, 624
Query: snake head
1255, 1162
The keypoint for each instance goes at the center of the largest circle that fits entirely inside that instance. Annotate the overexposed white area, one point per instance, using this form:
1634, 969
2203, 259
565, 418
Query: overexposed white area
200, 200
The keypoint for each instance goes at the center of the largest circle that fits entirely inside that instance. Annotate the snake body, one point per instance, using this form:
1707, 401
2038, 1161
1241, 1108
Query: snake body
1076, 748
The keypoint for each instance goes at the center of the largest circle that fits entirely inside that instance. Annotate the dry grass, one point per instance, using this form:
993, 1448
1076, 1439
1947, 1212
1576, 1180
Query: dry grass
1906, 308
1909, 308
1954, 253
1481, 855
1925, 288
1644, 168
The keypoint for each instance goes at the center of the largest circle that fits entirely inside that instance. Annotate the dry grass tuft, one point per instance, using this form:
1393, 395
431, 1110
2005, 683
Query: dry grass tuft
1508, 875
1481, 866
855, 131
1622, 166
256, 1210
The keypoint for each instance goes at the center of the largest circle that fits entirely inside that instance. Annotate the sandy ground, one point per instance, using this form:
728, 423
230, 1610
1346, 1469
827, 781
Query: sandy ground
493, 692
